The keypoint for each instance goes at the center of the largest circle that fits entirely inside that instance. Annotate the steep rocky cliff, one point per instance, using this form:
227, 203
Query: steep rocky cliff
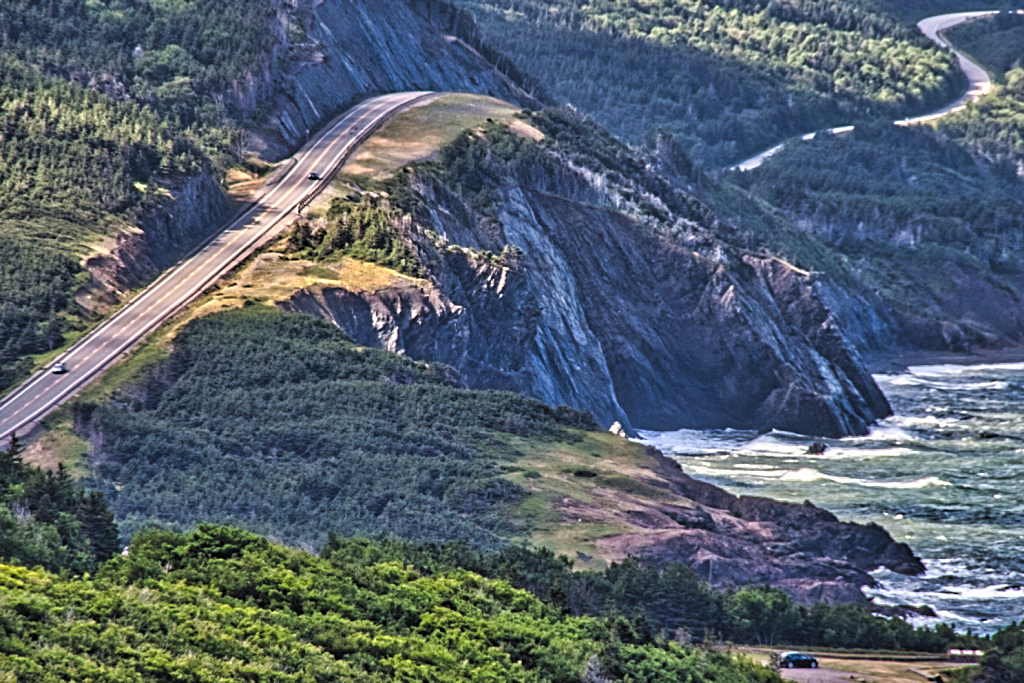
582, 278
349, 53
185, 213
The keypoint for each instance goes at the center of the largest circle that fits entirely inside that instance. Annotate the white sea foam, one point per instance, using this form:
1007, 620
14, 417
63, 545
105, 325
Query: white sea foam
942, 382
938, 370
887, 431
809, 474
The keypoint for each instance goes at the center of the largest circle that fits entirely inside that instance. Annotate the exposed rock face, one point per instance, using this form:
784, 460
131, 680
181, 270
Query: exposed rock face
601, 313
738, 540
351, 54
195, 209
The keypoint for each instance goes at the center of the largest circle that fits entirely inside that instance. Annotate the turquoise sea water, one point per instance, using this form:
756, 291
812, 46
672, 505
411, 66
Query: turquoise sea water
945, 475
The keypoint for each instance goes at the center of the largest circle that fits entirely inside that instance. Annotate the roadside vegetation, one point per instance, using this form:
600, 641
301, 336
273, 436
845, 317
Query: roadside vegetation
48, 520
997, 43
993, 127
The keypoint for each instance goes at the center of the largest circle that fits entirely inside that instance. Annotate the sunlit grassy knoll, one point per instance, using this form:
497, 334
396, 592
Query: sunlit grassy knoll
271, 278
59, 445
418, 134
586, 492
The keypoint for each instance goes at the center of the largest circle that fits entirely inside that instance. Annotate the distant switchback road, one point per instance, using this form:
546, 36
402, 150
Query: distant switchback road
98, 350
978, 79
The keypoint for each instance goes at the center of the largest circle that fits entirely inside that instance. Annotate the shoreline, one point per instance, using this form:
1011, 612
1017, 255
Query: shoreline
899, 363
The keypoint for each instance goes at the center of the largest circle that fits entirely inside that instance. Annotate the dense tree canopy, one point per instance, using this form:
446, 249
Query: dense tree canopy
48, 520
731, 77
276, 422
101, 102
222, 604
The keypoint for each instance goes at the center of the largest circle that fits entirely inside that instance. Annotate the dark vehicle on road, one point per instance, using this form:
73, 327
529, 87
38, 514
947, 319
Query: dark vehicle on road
314, 176
797, 660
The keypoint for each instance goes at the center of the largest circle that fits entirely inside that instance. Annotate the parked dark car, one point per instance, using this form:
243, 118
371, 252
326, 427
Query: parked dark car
797, 660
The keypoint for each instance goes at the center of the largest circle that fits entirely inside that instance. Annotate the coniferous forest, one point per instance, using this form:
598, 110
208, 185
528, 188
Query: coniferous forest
101, 104
729, 77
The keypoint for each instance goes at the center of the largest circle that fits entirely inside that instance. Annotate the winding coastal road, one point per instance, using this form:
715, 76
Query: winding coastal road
979, 82
266, 218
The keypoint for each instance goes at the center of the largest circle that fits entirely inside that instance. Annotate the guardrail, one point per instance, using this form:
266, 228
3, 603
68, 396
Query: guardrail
328, 177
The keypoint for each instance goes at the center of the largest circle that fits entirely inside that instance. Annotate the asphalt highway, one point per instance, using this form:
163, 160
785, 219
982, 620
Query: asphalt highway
932, 27
269, 214
980, 83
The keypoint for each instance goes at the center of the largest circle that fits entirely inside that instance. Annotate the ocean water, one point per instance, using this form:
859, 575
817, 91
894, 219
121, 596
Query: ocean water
945, 475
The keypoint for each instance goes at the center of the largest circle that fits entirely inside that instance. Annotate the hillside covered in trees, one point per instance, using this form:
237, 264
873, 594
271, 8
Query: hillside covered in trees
278, 423
223, 603
48, 520
103, 103
729, 77
993, 128
903, 205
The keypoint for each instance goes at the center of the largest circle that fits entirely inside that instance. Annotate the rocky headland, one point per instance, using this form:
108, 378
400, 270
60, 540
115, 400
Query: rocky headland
588, 280
606, 499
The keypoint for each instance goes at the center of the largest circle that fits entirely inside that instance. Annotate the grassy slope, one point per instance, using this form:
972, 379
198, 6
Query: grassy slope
569, 513
418, 134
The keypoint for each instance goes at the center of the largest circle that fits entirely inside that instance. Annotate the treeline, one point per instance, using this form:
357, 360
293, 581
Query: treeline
49, 520
222, 604
669, 601
364, 227
730, 78
277, 423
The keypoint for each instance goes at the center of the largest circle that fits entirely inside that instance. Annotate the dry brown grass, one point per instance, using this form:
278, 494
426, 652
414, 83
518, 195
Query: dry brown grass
594, 515
419, 133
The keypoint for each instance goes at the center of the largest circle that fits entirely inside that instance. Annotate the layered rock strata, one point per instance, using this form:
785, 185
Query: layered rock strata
588, 307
